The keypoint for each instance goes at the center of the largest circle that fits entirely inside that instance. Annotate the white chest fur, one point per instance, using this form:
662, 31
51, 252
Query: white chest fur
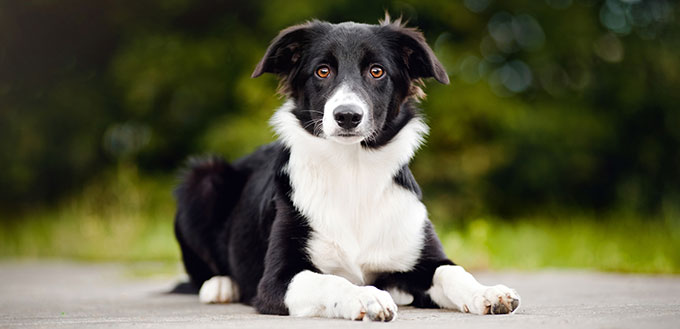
362, 222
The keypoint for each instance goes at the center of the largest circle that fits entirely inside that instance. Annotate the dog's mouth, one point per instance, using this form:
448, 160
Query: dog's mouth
347, 137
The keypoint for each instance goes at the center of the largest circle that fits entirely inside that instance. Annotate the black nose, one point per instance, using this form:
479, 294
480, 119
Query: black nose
348, 116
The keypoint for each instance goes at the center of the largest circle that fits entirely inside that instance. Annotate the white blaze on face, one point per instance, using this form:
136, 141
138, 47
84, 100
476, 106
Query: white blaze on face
343, 95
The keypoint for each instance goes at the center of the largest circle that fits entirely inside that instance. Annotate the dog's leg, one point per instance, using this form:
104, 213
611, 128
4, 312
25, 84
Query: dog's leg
219, 289
209, 190
312, 294
455, 288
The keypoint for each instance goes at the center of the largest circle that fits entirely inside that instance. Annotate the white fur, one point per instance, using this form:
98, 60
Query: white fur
363, 223
343, 95
454, 288
312, 294
219, 289
400, 297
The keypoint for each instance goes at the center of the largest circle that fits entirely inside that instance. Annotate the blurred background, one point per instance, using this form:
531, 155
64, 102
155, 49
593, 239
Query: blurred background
557, 144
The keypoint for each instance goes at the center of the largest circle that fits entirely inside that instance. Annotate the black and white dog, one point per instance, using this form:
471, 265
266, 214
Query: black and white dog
328, 221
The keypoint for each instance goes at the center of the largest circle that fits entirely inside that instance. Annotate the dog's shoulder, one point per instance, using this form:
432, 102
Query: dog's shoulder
405, 179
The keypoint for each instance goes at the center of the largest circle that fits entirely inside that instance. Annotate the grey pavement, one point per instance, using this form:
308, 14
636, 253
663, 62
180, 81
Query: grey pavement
82, 295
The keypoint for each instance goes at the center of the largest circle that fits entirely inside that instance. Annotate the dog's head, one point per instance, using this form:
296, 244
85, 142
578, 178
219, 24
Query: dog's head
349, 80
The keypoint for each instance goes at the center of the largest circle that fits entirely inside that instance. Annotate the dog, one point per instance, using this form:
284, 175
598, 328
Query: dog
327, 221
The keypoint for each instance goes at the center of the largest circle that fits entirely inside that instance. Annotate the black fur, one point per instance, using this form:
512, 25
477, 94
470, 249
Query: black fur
238, 219
406, 180
419, 279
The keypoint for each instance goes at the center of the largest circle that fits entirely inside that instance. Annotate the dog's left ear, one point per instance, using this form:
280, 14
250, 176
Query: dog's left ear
416, 54
285, 50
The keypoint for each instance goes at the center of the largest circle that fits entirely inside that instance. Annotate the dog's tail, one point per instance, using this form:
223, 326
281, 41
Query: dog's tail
207, 186
183, 288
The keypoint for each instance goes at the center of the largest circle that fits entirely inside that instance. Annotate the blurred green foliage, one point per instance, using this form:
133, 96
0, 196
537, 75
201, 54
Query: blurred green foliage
128, 218
558, 109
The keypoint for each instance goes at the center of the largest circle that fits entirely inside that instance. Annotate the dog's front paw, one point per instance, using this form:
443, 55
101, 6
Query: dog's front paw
497, 299
369, 303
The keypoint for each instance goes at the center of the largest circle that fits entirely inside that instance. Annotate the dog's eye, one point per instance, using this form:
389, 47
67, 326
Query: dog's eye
377, 71
323, 71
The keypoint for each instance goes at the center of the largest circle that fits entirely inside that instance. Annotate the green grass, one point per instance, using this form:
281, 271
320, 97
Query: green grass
123, 217
609, 244
126, 217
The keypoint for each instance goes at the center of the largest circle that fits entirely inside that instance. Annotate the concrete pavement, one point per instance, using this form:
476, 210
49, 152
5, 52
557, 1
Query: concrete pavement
76, 295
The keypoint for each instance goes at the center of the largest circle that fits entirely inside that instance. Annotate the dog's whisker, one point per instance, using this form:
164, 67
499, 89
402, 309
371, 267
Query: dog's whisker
312, 122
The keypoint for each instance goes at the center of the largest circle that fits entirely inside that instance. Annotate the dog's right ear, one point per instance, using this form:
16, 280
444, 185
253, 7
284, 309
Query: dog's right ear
417, 56
285, 50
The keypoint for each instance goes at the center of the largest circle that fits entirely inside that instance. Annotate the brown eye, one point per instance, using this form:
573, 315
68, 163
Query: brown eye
377, 71
323, 71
